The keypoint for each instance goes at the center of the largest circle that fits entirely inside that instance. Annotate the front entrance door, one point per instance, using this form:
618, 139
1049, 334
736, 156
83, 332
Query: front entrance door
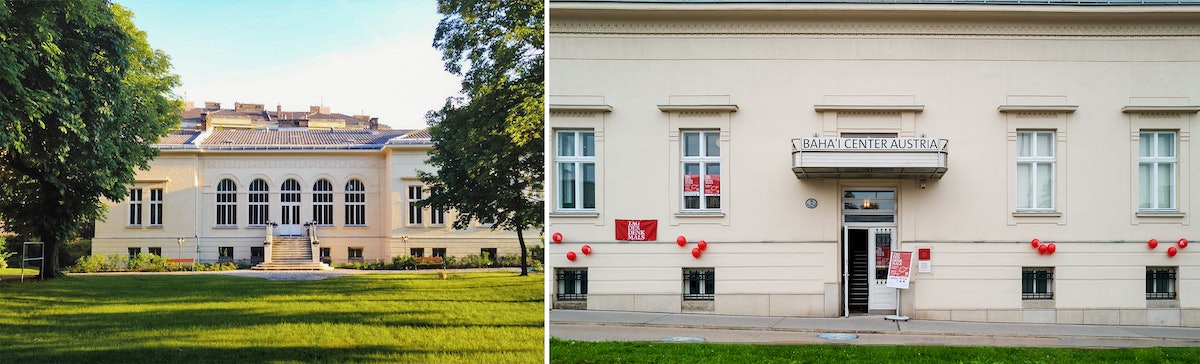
867, 252
290, 201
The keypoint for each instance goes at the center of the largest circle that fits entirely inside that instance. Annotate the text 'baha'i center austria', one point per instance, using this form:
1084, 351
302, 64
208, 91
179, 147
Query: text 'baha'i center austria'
769, 157
288, 190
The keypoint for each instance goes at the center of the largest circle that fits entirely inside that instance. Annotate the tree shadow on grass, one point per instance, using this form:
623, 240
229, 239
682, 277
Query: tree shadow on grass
282, 353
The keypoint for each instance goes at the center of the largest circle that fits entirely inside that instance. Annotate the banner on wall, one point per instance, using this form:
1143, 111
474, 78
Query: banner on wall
637, 230
899, 269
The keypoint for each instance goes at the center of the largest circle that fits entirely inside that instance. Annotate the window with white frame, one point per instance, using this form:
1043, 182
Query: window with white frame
135, 206
415, 195
156, 207
259, 202
699, 284
576, 167
356, 203
1156, 170
323, 202
701, 163
1035, 170
1037, 283
1160, 283
437, 216
226, 203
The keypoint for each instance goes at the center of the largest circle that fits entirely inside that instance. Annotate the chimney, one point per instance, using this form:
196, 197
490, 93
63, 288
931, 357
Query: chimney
314, 109
373, 124
278, 111
188, 105
212, 105
203, 123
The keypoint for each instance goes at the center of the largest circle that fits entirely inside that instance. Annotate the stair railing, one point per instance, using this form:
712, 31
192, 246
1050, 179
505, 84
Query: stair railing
269, 241
314, 243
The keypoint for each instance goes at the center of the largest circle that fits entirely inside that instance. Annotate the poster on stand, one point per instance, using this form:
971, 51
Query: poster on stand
899, 269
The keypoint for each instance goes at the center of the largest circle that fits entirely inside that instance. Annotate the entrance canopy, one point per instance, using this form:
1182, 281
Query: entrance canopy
884, 158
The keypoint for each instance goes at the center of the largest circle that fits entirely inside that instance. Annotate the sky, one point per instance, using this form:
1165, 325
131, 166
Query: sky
372, 57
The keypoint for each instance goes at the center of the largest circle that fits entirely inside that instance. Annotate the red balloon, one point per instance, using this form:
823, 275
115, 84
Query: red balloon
587, 249
557, 237
1153, 243
1182, 243
696, 252
681, 240
1050, 248
571, 256
1035, 243
1042, 249
702, 244
1172, 251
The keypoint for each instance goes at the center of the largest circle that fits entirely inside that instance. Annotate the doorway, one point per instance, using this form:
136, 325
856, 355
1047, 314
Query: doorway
868, 238
289, 224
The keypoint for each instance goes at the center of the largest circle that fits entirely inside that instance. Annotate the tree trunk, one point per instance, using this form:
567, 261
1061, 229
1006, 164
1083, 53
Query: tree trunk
524, 254
49, 263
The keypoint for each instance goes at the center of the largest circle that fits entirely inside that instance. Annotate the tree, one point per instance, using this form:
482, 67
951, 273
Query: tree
84, 96
488, 141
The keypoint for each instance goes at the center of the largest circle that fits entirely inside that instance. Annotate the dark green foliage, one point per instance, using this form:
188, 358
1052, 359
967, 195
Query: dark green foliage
144, 263
488, 143
83, 96
569, 351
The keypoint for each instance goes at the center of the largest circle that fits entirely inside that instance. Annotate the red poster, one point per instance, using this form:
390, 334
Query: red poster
882, 254
712, 185
637, 230
899, 269
691, 184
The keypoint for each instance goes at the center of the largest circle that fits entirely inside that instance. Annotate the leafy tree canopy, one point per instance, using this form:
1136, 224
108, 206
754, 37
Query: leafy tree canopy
84, 96
488, 142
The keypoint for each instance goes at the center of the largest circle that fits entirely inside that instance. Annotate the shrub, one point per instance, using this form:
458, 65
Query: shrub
4, 254
402, 261
537, 253
510, 260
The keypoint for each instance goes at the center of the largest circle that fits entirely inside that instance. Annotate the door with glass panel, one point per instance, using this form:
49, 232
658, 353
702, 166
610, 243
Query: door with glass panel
869, 237
289, 222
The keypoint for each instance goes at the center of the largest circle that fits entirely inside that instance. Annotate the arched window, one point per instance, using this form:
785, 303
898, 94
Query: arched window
226, 203
323, 202
356, 203
259, 203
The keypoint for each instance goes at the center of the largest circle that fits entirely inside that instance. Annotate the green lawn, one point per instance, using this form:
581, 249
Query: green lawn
568, 351
469, 317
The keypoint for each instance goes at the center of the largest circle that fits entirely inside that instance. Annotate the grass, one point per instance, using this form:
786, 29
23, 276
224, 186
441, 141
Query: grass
10, 273
469, 317
569, 351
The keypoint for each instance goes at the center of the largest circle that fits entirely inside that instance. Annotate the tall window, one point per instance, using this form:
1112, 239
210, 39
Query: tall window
437, 216
323, 203
259, 203
226, 203
701, 170
356, 203
135, 206
576, 160
1035, 170
1037, 283
415, 194
156, 207
289, 199
572, 284
1156, 170
1160, 283
699, 284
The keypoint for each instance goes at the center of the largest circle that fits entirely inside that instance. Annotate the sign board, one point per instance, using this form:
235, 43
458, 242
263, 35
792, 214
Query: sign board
869, 144
923, 264
637, 230
900, 269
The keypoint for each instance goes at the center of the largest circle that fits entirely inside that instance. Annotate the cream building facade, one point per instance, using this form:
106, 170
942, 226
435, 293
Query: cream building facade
228, 194
804, 142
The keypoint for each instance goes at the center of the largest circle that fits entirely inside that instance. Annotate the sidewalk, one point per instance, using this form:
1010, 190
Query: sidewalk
644, 326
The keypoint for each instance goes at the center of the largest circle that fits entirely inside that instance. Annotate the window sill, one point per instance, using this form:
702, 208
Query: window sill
1168, 214
1036, 213
1161, 303
157, 227
133, 226
225, 227
256, 226
354, 226
1037, 303
711, 214
583, 214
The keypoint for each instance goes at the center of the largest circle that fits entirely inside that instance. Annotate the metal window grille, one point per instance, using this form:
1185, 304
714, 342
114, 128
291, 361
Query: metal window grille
572, 284
1037, 283
698, 284
1160, 283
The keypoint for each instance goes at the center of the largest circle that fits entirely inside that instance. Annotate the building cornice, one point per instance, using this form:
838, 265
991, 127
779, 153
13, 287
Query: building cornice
873, 19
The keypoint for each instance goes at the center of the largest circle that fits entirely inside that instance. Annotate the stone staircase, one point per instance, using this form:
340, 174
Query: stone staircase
291, 253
